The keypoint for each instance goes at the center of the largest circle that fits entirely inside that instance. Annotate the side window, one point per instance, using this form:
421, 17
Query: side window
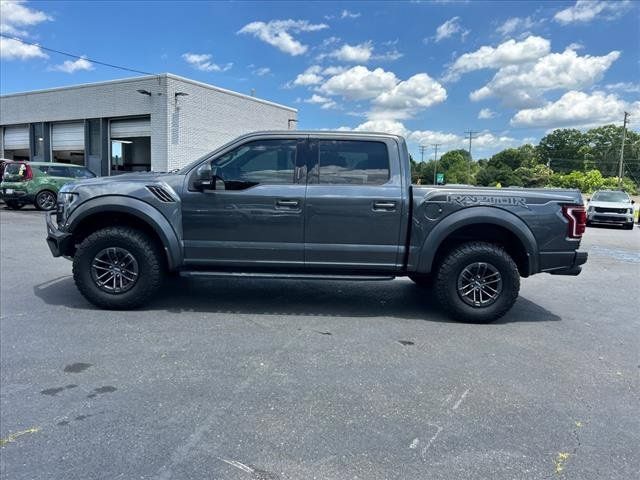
82, 173
353, 162
259, 162
55, 171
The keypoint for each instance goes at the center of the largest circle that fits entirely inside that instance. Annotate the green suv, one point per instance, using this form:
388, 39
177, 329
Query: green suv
37, 182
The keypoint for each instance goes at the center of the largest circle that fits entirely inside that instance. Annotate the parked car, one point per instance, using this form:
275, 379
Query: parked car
611, 207
313, 205
38, 182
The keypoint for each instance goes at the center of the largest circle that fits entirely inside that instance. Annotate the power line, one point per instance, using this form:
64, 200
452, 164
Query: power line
624, 134
76, 56
435, 157
472, 134
422, 149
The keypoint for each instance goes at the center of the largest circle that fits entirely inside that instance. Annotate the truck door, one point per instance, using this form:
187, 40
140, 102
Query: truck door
353, 205
256, 219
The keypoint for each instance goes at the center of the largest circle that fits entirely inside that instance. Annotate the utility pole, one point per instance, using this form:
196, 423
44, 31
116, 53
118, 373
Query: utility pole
422, 149
624, 134
472, 135
435, 166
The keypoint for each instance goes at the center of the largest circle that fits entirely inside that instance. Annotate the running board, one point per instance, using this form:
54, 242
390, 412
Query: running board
283, 276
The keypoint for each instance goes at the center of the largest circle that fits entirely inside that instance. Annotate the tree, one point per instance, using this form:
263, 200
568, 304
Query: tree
605, 142
455, 165
564, 149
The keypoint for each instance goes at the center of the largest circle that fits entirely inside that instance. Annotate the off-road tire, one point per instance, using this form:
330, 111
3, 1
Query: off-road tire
37, 202
425, 281
146, 254
451, 268
14, 205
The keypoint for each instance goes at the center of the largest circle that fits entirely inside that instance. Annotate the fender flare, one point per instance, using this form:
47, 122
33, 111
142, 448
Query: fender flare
475, 216
137, 208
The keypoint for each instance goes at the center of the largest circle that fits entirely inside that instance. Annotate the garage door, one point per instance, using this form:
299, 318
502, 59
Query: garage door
16, 137
133, 127
67, 136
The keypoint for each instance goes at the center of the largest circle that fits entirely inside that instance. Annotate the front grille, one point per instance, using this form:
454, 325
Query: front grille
603, 218
160, 193
610, 210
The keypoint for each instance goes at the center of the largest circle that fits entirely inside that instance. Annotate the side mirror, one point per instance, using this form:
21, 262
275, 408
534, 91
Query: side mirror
633, 202
588, 199
208, 179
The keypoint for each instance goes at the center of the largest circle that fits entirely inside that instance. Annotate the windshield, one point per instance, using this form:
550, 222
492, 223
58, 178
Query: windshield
610, 197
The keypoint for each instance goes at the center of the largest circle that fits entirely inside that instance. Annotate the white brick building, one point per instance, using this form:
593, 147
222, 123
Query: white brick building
156, 122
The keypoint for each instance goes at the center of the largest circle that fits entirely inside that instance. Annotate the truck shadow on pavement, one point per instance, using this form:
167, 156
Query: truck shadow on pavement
395, 299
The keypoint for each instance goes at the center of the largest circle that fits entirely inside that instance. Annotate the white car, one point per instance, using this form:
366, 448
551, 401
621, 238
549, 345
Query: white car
610, 207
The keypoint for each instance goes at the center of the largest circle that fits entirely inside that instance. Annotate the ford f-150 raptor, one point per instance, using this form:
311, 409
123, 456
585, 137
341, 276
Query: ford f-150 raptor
318, 205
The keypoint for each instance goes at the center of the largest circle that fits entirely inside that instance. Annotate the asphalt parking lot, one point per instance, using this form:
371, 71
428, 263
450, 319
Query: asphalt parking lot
232, 379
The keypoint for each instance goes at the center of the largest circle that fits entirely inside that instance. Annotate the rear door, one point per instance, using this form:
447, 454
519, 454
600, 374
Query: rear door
353, 207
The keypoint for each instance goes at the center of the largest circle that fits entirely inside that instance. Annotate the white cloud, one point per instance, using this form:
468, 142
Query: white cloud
262, 71
204, 63
11, 49
584, 11
450, 28
515, 24
627, 87
486, 113
359, 83
348, 14
407, 97
429, 137
324, 102
576, 109
523, 85
311, 76
69, 66
510, 52
360, 53
383, 126
278, 33
15, 15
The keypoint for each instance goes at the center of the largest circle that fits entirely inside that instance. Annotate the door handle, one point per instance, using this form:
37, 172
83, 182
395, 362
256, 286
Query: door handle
384, 206
288, 203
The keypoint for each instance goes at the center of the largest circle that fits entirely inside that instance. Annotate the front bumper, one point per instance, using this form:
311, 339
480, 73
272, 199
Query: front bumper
610, 218
58, 241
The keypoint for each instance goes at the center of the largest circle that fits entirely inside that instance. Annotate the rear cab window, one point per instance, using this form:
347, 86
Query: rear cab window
352, 162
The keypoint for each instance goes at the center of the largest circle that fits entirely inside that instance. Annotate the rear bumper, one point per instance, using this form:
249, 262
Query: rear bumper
21, 196
57, 240
574, 267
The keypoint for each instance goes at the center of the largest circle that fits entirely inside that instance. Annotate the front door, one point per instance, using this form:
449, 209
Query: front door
353, 206
256, 219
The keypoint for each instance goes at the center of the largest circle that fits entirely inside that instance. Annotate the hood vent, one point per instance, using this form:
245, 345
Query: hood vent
161, 194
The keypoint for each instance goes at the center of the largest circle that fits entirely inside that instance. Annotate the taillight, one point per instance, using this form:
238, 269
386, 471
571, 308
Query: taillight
577, 216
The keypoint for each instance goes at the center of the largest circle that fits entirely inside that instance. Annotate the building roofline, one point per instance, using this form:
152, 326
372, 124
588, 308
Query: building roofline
149, 77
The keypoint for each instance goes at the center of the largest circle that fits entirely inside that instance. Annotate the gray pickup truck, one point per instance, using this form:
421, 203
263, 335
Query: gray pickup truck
313, 205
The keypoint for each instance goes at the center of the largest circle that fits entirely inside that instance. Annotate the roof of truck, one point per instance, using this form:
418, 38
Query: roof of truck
345, 133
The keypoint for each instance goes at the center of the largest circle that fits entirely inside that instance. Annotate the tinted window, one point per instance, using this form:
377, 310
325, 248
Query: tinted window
55, 171
82, 173
350, 162
265, 162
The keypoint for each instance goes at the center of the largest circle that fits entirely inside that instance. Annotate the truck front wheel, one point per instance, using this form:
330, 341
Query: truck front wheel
477, 282
117, 268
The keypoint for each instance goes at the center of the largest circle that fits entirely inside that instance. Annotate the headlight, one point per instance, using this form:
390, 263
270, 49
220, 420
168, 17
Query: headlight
65, 200
630, 210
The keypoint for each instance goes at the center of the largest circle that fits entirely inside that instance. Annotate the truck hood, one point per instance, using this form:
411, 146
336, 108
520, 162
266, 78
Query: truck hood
610, 204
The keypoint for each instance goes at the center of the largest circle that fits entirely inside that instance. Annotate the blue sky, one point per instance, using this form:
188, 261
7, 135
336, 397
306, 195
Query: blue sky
428, 70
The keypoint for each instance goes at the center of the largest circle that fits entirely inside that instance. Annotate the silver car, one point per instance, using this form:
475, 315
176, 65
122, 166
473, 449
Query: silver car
610, 207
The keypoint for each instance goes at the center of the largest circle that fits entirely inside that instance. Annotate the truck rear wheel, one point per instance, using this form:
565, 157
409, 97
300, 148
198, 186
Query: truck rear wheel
117, 268
477, 282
